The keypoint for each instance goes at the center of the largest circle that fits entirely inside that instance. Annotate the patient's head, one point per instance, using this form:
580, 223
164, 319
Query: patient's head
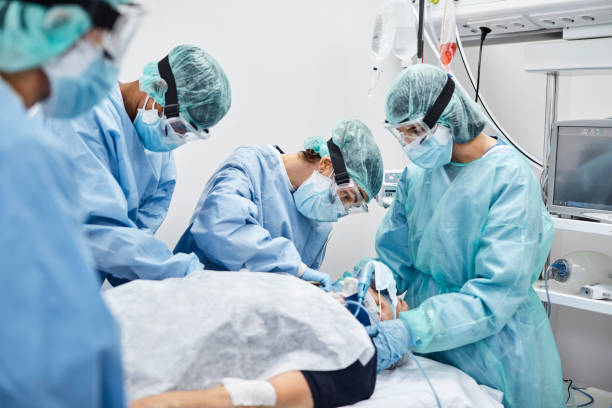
384, 306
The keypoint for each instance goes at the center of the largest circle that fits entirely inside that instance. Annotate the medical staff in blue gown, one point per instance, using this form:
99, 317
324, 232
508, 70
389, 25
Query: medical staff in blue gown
59, 343
123, 149
267, 211
466, 237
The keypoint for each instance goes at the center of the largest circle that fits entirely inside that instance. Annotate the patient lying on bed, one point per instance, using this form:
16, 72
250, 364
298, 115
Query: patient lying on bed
242, 339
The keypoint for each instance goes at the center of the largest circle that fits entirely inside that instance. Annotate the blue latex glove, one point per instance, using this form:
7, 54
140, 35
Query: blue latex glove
392, 339
318, 276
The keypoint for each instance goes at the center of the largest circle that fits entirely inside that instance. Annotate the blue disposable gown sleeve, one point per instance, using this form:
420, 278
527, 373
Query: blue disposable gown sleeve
60, 344
227, 229
124, 251
122, 247
508, 249
154, 208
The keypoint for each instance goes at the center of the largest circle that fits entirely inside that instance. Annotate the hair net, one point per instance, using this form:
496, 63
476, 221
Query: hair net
204, 93
31, 34
360, 153
415, 91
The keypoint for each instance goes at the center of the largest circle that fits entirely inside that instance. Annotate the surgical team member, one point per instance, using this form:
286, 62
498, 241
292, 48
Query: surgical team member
466, 237
60, 345
123, 149
267, 211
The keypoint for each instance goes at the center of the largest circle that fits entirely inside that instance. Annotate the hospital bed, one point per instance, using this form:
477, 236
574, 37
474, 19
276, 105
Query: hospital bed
186, 334
405, 387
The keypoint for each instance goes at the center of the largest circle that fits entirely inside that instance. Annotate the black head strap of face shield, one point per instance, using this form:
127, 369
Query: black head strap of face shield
340, 174
434, 113
102, 14
171, 107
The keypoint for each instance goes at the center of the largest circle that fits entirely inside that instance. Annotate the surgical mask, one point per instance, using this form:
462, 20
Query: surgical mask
314, 199
150, 127
78, 80
433, 151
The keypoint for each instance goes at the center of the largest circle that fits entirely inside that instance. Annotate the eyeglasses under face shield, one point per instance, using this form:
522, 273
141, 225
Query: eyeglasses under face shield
345, 191
177, 126
412, 133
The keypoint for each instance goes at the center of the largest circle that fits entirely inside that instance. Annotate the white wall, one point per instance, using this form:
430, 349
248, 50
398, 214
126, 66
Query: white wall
297, 67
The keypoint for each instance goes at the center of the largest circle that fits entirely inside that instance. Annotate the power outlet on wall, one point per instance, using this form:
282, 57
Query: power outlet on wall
574, 18
511, 24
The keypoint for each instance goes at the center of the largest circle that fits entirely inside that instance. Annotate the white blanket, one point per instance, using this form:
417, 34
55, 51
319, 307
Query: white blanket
405, 387
189, 333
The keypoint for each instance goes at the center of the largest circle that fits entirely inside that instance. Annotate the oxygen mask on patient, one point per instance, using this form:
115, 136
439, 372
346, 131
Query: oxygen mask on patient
369, 311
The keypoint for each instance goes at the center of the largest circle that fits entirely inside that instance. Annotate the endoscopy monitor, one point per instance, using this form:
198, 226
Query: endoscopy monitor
580, 170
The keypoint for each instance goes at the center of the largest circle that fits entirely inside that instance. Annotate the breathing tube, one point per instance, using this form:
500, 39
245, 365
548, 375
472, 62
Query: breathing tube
359, 308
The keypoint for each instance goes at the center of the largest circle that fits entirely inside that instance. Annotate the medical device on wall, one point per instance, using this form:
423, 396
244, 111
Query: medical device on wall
597, 291
394, 32
577, 269
513, 19
580, 170
389, 187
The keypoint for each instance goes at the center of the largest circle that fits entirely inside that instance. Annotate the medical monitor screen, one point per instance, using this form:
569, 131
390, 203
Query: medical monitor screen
583, 170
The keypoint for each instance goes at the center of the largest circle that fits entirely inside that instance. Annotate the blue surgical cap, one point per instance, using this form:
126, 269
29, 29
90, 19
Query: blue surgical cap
204, 93
360, 153
416, 89
31, 34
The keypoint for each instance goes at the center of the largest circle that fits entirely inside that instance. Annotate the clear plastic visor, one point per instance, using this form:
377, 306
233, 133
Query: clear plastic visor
410, 131
116, 41
351, 198
184, 129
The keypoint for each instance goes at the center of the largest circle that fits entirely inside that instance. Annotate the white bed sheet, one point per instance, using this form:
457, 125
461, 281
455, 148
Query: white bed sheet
405, 387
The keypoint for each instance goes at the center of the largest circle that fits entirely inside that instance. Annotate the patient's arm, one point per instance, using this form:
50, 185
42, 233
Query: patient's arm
291, 388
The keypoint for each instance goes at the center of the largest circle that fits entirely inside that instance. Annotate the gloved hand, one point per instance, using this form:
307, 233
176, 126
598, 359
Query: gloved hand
392, 339
318, 276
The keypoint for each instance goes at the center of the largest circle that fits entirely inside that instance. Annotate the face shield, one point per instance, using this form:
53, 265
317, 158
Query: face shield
177, 127
415, 132
120, 24
117, 24
345, 191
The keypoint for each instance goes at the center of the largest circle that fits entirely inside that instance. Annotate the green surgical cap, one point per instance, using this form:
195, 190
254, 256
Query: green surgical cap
415, 91
204, 93
360, 153
31, 34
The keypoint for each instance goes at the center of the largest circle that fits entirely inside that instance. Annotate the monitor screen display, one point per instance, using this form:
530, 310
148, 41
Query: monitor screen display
583, 170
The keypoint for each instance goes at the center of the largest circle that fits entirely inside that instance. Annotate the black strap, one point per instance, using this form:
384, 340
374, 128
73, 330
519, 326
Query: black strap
433, 114
171, 107
340, 174
102, 14
279, 149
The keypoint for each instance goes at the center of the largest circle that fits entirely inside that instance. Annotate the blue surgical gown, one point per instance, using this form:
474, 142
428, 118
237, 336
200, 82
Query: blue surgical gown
466, 242
59, 345
125, 191
246, 218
